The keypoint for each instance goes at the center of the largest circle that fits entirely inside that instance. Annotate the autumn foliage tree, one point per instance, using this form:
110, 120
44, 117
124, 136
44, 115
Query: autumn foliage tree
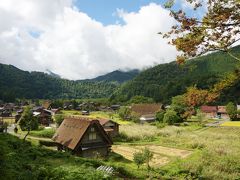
217, 30
186, 104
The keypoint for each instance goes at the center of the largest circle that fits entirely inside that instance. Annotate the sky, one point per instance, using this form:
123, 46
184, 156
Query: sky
80, 39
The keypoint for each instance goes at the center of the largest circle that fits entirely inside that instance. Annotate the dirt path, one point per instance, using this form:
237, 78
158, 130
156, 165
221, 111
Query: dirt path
162, 155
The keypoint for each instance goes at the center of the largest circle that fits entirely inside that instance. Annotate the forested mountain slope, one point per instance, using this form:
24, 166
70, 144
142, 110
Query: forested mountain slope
167, 80
15, 83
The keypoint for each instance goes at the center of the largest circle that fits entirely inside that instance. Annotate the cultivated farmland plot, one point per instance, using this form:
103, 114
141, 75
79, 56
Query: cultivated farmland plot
162, 155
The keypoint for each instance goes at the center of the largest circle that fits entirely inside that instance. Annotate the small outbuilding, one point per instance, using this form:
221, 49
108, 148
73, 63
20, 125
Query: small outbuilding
147, 118
111, 127
83, 137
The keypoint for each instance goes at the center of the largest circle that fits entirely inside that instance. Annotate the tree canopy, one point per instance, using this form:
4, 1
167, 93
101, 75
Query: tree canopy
217, 29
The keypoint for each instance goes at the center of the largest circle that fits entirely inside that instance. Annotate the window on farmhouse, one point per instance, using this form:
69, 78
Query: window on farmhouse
92, 136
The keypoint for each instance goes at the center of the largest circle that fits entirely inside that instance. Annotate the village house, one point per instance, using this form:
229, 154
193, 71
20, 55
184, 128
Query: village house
215, 112
67, 106
111, 127
146, 112
83, 137
209, 111
44, 116
5, 112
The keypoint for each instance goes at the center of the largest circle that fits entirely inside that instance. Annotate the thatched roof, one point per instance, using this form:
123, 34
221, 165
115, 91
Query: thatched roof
144, 109
72, 130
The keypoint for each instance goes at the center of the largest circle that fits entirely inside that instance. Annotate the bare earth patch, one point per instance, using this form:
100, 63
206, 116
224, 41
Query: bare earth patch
162, 155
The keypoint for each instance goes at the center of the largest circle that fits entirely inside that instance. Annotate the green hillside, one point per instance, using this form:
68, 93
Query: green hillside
167, 80
15, 83
21, 160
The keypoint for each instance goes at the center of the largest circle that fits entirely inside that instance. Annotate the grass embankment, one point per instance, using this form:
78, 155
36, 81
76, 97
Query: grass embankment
216, 150
21, 160
45, 133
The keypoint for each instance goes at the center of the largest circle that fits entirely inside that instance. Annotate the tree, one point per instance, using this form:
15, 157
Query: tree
124, 112
232, 111
171, 117
148, 155
59, 119
27, 121
144, 156
218, 29
179, 106
138, 158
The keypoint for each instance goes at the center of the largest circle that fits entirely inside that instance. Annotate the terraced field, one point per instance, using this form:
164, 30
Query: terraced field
162, 155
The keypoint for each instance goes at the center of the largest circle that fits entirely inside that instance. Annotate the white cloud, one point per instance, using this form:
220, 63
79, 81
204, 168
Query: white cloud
74, 45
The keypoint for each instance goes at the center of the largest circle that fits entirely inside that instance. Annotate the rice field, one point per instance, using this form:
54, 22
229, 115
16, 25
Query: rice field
215, 151
231, 124
162, 155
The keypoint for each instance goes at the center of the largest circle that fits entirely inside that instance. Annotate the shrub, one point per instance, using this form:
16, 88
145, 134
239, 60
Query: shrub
138, 158
160, 116
59, 119
124, 112
232, 111
171, 117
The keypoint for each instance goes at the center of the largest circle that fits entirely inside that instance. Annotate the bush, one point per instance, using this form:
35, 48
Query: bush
232, 111
138, 158
171, 117
124, 112
59, 119
160, 116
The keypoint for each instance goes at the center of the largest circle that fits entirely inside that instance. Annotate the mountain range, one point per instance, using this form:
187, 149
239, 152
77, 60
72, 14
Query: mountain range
16, 83
160, 82
164, 81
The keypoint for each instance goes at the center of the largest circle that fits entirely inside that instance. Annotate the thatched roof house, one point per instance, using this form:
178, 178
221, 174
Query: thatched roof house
83, 137
146, 112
